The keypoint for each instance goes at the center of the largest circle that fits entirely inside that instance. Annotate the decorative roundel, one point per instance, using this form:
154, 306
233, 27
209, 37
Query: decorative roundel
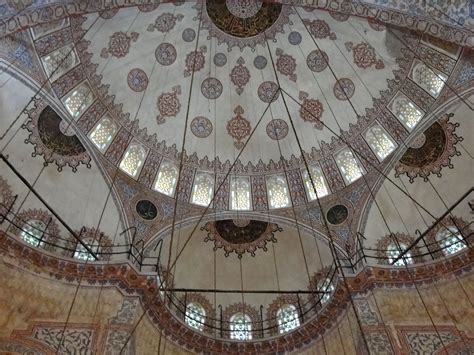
277, 129
201, 127
294, 38
220, 59
418, 142
165, 54
66, 128
337, 214
344, 89
137, 80
339, 16
267, 91
260, 62
243, 8
189, 35
211, 88
317, 60
146, 210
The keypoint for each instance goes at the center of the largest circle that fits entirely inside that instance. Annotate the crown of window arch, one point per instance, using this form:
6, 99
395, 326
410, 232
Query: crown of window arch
393, 251
133, 159
288, 318
195, 316
166, 178
203, 189
326, 286
450, 240
240, 327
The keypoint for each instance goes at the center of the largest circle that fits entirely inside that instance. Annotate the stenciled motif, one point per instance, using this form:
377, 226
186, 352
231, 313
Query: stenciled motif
211, 88
317, 60
165, 54
286, 64
201, 127
311, 110
268, 91
435, 153
277, 129
260, 62
195, 61
189, 35
137, 80
240, 75
119, 44
294, 38
168, 104
238, 127
339, 16
343, 89
220, 59
240, 236
320, 29
364, 55
165, 22
108, 14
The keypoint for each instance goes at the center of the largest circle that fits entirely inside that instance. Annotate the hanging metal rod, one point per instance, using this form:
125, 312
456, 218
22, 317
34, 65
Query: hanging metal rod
201, 290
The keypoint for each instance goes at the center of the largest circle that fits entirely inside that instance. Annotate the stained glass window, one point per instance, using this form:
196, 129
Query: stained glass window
59, 62
133, 159
277, 190
81, 252
240, 193
103, 133
288, 318
326, 286
379, 141
78, 100
429, 80
406, 112
393, 252
203, 189
166, 178
349, 166
32, 232
318, 180
450, 240
240, 327
195, 316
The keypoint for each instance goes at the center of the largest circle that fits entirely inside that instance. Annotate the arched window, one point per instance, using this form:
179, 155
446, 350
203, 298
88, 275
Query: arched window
78, 100
406, 111
428, 79
326, 286
166, 178
379, 141
277, 190
288, 318
133, 159
82, 253
32, 232
349, 166
318, 180
450, 240
195, 316
59, 62
393, 251
240, 327
203, 189
103, 133
240, 193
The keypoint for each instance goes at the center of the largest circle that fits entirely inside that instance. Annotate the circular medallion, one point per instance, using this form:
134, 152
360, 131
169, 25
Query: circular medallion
268, 91
260, 62
337, 214
220, 59
201, 127
189, 35
317, 60
66, 128
294, 38
277, 129
211, 88
418, 142
146, 210
137, 80
165, 54
344, 89
244, 8
236, 234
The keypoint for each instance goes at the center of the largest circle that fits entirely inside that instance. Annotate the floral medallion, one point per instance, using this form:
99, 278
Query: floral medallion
294, 38
317, 60
343, 89
165, 54
119, 44
376, 24
238, 127
232, 237
201, 127
164, 23
268, 91
260, 62
189, 35
244, 8
195, 61
339, 16
320, 29
438, 148
277, 129
240, 75
286, 64
168, 105
211, 88
311, 110
220, 59
137, 80
364, 55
